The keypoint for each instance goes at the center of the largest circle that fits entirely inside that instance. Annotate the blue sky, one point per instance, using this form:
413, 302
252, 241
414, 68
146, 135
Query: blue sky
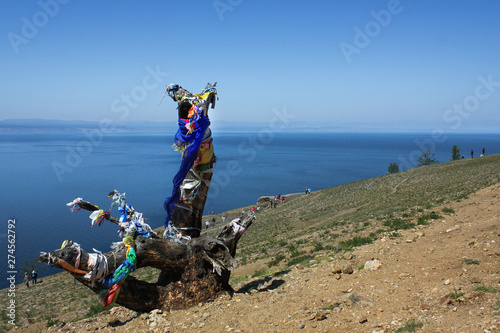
404, 62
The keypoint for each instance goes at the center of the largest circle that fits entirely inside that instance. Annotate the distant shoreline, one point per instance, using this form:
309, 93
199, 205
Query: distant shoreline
47, 125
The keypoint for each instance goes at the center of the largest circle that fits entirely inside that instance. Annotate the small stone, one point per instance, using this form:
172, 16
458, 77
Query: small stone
347, 270
447, 282
319, 316
456, 227
468, 296
299, 266
156, 311
348, 256
425, 306
337, 270
337, 276
372, 265
445, 300
301, 326
363, 320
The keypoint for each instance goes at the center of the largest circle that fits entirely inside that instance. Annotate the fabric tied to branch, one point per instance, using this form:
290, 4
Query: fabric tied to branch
237, 227
121, 273
113, 282
97, 216
191, 141
74, 204
123, 210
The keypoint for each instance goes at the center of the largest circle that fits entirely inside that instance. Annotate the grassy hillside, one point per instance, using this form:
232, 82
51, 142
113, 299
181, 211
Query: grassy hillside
337, 218
305, 229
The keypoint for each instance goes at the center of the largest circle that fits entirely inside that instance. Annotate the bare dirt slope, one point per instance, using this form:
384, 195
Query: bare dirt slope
442, 277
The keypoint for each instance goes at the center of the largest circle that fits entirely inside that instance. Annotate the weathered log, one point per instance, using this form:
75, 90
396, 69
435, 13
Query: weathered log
191, 272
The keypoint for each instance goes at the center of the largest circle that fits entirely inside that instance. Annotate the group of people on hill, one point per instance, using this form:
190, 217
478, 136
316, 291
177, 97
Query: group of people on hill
27, 278
472, 153
277, 198
274, 203
211, 223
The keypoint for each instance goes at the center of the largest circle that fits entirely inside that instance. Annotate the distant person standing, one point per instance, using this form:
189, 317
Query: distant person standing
306, 190
34, 275
484, 152
471, 153
207, 224
283, 199
27, 279
213, 221
223, 218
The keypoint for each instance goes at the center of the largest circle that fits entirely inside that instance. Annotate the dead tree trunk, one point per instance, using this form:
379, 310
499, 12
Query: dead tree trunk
193, 268
191, 272
187, 214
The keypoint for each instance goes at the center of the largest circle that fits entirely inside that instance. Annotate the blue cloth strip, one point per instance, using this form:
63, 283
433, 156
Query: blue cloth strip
188, 157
